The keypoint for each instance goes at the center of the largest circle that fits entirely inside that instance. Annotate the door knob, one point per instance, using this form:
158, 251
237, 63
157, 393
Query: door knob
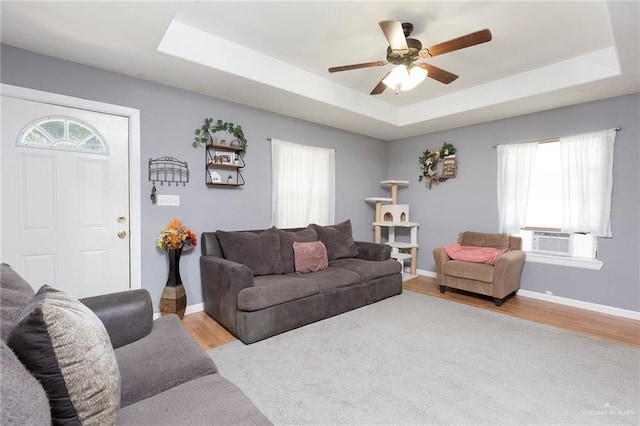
122, 234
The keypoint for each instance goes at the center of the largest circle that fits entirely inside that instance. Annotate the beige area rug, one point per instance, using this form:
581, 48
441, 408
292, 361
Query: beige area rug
416, 359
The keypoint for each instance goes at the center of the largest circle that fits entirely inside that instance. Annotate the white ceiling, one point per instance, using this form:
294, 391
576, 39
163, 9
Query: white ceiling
275, 55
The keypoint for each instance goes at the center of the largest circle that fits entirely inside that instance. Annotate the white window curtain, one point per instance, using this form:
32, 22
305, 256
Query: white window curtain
515, 163
587, 182
303, 185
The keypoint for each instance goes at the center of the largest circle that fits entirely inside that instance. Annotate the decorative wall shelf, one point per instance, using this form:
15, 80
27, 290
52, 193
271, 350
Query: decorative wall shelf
224, 159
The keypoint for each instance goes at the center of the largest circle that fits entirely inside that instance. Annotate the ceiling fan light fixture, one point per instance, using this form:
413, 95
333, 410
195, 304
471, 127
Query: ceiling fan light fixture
415, 76
403, 78
396, 77
403, 51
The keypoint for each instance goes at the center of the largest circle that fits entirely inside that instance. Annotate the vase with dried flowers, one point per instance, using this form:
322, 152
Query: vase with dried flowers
174, 238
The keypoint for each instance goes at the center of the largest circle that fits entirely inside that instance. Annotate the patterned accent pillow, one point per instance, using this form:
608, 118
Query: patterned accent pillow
310, 257
338, 240
66, 347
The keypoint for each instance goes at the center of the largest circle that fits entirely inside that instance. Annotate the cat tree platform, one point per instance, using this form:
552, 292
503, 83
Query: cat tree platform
398, 216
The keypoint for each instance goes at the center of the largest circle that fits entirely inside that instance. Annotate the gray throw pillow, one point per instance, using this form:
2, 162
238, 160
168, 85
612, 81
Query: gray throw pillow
15, 294
338, 240
66, 347
24, 402
260, 251
287, 238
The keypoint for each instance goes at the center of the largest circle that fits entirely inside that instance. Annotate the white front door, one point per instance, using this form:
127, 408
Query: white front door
65, 196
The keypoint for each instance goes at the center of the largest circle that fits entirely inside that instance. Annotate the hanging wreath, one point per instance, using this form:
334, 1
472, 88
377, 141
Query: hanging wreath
429, 161
204, 133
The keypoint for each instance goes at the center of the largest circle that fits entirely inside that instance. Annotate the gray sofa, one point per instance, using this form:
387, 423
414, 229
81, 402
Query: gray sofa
251, 286
165, 378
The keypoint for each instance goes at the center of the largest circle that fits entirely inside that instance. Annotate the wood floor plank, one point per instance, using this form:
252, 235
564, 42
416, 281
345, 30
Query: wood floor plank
209, 334
206, 331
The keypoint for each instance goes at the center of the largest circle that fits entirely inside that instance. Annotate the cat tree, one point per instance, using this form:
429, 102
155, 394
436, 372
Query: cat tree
392, 216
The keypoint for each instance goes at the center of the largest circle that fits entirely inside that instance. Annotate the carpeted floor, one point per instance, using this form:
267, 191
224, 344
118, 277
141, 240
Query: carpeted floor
415, 359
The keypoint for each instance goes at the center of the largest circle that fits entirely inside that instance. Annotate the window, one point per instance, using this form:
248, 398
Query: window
62, 133
303, 185
545, 189
557, 195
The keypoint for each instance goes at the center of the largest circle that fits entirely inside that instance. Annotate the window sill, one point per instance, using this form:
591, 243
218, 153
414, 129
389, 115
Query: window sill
573, 262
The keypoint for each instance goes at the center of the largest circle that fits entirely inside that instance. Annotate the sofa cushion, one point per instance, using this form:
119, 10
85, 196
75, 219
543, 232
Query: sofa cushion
468, 270
15, 294
24, 401
287, 238
208, 400
331, 278
373, 251
166, 357
338, 240
260, 251
66, 347
368, 269
481, 239
310, 257
270, 290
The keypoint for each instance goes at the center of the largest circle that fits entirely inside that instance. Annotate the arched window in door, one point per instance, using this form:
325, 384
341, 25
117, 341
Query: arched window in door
63, 133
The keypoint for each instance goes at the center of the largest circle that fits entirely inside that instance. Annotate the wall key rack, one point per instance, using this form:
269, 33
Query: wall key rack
168, 169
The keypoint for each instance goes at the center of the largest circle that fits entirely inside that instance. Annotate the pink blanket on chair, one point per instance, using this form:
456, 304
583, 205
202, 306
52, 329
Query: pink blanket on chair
487, 255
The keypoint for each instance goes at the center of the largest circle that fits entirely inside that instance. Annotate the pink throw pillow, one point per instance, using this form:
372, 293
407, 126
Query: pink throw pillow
310, 257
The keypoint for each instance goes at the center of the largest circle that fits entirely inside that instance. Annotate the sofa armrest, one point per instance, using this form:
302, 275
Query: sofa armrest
507, 272
373, 251
440, 256
221, 281
127, 315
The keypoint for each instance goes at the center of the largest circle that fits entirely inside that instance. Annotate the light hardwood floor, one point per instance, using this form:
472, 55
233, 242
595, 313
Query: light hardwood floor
209, 334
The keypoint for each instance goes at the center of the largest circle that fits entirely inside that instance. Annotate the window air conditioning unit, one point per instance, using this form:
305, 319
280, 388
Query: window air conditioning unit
554, 243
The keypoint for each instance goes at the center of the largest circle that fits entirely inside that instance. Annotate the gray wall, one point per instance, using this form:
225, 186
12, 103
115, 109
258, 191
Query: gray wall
469, 201
169, 118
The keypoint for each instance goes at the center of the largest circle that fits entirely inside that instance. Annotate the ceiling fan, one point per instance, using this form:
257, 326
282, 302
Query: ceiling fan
404, 51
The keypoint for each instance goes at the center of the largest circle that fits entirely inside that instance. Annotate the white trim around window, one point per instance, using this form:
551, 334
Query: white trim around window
573, 262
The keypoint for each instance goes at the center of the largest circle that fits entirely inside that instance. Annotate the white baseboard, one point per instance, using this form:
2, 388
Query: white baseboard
191, 309
426, 273
603, 309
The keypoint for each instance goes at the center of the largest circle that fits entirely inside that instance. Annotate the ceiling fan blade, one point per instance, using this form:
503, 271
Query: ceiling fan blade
395, 35
468, 40
437, 73
381, 86
356, 66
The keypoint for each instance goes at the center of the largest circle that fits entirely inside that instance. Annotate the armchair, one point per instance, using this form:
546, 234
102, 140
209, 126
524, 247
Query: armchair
498, 280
